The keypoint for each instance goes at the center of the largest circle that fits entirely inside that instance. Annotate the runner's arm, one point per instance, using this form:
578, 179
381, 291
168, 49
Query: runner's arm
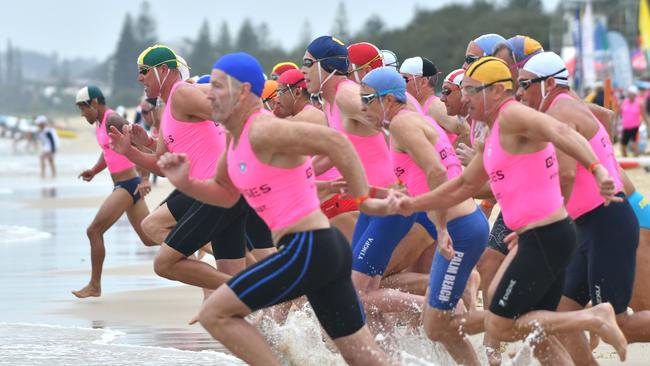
219, 191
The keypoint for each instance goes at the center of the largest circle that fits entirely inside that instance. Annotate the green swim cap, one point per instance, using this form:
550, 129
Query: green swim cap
157, 55
88, 93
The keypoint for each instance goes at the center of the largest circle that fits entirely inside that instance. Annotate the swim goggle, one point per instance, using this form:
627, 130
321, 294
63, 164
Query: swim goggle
366, 99
289, 87
472, 90
144, 69
526, 83
307, 62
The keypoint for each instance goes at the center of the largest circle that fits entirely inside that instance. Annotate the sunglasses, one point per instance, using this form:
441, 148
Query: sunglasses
307, 62
289, 87
446, 91
472, 90
470, 59
144, 70
526, 83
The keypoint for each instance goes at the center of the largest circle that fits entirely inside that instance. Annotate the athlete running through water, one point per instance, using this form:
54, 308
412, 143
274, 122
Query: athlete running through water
518, 158
266, 162
128, 187
423, 158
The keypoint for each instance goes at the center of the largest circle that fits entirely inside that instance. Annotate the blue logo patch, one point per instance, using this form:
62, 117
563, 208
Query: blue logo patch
242, 167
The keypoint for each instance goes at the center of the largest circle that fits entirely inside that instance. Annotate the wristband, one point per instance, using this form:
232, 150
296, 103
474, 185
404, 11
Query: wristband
359, 200
487, 204
593, 166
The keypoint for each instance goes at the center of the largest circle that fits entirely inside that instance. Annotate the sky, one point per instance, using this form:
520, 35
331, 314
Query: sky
74, 28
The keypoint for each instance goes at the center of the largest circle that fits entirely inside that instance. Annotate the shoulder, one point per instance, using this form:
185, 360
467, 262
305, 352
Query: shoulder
185, 91
347, 94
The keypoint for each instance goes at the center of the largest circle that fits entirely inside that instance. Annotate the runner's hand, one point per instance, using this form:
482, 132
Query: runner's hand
402, 204
445, 244
120, 141
176, 168
379, 206
144, 188
138, 135
512, 240
606, 185
338, 186
87, 175
465, 153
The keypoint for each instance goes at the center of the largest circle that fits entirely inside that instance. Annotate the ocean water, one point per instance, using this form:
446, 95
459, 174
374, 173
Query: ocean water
37, 245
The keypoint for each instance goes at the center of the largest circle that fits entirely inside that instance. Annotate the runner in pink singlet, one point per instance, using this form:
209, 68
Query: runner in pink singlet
519, 158
603, 267
422, 157
267, 162
128, 192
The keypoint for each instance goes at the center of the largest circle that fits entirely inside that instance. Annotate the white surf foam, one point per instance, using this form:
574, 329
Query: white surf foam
14, 233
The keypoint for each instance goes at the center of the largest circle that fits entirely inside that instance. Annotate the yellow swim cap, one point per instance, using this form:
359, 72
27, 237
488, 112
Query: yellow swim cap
490, 70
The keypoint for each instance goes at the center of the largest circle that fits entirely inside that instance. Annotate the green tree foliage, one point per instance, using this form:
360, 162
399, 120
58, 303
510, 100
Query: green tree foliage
341, 29
203, 52
224, 40
145, 27
442, 35
123, 69
247, 39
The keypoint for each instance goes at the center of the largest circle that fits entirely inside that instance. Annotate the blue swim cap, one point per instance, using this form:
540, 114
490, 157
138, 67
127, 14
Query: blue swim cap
386, 80
243, 67
205, 79
332, 49
487, 42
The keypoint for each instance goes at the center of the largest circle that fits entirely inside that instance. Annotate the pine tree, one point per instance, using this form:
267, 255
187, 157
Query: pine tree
123, 73
203, 54
224, 41
247, 40
340, 29
373, 27
145, 27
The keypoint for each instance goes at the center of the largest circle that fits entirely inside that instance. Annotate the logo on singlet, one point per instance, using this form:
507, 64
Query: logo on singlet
242, 167
549, 161
399, 171
170, 139
443, 154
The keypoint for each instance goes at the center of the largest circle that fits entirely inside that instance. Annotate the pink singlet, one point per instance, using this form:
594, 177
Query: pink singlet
585, 195
114, 161
408, 172
281, 196
526, 186
452, 137
202, 142
372, 150
631, 113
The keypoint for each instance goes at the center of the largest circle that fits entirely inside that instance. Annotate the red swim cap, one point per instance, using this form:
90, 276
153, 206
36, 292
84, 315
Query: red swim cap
293, 78
364, 53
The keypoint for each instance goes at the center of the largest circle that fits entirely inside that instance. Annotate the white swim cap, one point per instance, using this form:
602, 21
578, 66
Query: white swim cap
548, 64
